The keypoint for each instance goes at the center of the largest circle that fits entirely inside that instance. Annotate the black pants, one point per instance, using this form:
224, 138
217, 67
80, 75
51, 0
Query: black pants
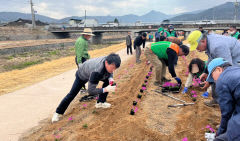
77, 85
103, 97
129, 47
83, 60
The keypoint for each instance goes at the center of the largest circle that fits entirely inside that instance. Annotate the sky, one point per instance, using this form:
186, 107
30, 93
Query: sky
65, 8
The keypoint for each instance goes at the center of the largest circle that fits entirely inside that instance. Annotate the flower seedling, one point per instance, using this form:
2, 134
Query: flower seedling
84, 105
134, 103
70, 119
209, 133
139, 96
144, 85
94, 111
185, 139
57, 137
173, 87
85, 126
144, 88
194, 95
132, 112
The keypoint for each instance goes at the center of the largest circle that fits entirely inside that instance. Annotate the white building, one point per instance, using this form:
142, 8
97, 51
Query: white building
88, 23
74, 22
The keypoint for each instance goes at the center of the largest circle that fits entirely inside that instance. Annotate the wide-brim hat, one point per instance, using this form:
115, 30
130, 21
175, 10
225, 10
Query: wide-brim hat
87, 31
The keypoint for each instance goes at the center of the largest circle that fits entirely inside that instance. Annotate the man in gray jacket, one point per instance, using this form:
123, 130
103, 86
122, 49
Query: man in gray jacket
92, 71
216, 46
129, 43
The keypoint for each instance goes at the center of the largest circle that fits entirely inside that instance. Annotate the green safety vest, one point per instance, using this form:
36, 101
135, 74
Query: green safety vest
235, 35
172, 33
160, 49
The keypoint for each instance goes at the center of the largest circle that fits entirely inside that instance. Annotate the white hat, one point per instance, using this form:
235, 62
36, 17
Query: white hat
87, 31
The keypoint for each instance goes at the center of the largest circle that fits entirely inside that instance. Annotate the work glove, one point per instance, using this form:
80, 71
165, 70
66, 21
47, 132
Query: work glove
185, 90
179, 81
110, 88
205, 94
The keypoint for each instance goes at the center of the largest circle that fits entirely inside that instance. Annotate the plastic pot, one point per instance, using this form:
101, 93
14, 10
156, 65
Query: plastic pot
132, 112
134, 103
141, 90
139, 96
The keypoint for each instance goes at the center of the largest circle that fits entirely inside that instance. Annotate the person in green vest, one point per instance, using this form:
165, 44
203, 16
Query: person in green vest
196, 68
171, 32
162, 32
81, 46
234, 33
162, 54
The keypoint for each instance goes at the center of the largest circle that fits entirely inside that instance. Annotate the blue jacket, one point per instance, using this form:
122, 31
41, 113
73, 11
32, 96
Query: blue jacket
228, 90
224, 47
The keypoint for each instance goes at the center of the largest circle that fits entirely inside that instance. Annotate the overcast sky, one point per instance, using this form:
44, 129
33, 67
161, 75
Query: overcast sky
64, 8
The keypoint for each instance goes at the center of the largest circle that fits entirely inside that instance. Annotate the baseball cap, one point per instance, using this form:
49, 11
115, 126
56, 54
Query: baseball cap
212, 65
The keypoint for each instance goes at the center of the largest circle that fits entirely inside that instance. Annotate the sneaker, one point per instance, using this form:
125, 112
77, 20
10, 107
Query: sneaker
102, 105
157, 83
211, 103
56, 117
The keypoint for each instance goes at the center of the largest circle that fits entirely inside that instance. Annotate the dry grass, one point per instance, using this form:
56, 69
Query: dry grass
16, 79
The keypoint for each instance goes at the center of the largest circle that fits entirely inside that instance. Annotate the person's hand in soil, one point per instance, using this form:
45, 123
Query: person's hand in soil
203, 77
206, 85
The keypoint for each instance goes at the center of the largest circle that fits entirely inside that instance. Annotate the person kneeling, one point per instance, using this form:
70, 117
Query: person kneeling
196, 68
92, 71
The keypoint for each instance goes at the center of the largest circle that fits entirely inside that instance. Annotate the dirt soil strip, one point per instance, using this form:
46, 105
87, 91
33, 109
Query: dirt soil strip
16, 79
152, 122
14, 44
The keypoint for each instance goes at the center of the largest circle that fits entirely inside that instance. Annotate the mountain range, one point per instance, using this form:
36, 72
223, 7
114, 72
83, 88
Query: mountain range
220, 12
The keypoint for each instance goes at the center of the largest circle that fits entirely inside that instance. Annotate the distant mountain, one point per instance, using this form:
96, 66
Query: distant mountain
13, 16
225, 11
152, 16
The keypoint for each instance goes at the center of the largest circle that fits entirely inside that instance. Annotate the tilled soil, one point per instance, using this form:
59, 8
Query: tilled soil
153, 121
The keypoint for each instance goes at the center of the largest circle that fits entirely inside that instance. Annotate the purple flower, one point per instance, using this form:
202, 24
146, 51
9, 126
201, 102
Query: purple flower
144, 88
97, 98
193, 92
136, 109
57, 136
85, 105
212, 130
208, 126
70, 118
185, 139
194, 95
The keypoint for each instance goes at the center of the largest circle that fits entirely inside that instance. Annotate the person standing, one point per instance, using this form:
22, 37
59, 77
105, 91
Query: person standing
140, 40
171, 32
92, 71
234, 33
129, 43
81, 46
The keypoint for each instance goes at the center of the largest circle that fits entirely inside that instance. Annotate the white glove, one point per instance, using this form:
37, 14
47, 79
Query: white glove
110, 88
110, 80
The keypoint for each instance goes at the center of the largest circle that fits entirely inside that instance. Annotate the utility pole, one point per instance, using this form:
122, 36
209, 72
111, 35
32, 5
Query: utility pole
33, 15
85, 18
236, 11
